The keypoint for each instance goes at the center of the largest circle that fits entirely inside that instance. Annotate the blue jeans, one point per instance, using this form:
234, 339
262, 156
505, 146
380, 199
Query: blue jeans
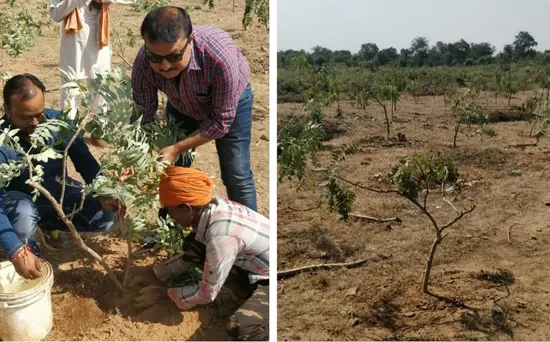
233, 150
25, 215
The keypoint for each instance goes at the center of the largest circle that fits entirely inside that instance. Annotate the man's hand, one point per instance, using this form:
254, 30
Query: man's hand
150, 295
169, 154
112, 204
27, 264
96, 4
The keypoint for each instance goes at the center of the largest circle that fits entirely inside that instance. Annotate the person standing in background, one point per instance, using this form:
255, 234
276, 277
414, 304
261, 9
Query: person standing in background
85, 48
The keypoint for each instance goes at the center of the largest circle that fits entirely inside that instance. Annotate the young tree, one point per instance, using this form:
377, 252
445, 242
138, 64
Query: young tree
131, 171
364, 89
421, 174
415, 178
466, 109
509, 85
336, 86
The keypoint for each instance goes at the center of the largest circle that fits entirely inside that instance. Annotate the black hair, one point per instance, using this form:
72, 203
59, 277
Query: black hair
21, 85
166, 23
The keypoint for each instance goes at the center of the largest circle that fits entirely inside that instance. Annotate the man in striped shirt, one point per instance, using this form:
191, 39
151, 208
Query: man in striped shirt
207, 82
230, 242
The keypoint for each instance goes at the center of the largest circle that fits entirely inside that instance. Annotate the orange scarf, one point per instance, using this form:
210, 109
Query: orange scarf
104, 26
73, 23
185, 185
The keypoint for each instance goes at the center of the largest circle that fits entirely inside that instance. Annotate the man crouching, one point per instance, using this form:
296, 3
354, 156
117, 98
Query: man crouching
229, 242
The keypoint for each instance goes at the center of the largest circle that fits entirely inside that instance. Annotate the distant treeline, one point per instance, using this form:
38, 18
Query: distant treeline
421, 54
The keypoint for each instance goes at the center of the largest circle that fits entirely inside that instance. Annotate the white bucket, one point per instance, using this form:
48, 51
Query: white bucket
25, 305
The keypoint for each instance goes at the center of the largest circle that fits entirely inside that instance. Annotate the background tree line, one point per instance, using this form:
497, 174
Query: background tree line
420, 53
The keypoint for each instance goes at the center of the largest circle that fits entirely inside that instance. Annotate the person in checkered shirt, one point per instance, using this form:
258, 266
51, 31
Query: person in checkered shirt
229, 242
206, 79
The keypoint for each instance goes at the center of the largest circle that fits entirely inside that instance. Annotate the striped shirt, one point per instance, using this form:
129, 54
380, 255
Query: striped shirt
233, 235
209, 89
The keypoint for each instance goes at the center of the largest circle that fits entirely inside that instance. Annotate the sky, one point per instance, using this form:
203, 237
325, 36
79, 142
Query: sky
346, 24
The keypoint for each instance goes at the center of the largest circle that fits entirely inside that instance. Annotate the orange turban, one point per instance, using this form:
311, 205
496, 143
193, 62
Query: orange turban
185, 185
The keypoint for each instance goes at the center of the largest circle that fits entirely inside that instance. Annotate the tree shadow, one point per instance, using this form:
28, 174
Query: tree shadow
212, 328
496, 319
489, 321
383, 312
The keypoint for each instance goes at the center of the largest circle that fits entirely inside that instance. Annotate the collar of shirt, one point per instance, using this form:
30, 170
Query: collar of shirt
194, 61
205, 220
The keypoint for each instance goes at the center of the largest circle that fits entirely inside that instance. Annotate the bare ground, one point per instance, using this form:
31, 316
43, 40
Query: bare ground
86, 305
501, 286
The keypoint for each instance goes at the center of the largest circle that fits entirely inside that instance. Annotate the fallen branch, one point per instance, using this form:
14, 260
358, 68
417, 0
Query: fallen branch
306, 209
311, 268
523, 145
509, 231
375, 219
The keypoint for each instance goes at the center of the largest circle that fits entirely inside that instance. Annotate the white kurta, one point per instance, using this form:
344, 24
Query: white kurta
80, 51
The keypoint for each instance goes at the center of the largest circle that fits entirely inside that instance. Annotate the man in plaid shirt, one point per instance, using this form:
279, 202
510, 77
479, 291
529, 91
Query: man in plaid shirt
207, 82
230, 242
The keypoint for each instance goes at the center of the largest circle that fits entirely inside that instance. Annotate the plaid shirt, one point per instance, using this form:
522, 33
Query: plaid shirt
233, 235
209, 89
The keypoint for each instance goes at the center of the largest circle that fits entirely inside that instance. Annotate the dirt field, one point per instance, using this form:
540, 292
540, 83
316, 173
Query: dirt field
383, 299
86, 305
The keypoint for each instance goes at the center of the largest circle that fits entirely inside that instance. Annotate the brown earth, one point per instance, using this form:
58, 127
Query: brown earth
86, 305
383, 299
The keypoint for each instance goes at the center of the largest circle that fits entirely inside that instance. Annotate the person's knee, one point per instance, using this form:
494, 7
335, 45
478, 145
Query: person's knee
102, 221
22, 213
237, 174
253, 317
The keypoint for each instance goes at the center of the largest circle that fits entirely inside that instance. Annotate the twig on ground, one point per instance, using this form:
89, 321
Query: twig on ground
375, 219
310, 268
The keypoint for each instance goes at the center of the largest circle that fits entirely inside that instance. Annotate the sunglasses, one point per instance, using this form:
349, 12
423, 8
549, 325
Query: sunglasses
171, 58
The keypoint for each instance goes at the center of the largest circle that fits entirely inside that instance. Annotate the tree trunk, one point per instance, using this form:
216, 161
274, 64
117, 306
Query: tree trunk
509, 98
391, 111
125, 232
444, 99
387, 118
457, 128
338, 102
429, 263
78, 239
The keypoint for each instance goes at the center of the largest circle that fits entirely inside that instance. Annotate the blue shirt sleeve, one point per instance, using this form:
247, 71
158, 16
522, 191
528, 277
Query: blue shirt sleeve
83, 160
9, 241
